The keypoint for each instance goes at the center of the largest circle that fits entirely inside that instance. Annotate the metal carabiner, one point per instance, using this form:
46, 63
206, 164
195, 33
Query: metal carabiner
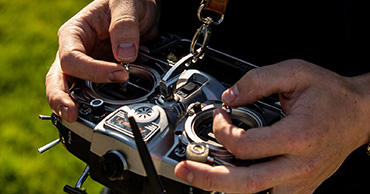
217, 6
198, 54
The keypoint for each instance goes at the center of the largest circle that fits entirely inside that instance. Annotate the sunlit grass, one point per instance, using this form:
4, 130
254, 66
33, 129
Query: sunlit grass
28, 42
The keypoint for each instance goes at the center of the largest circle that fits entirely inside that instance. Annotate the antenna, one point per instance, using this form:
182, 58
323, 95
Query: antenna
145, 158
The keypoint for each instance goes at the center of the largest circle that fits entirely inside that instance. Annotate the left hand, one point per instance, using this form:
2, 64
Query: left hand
87, 41
327, 118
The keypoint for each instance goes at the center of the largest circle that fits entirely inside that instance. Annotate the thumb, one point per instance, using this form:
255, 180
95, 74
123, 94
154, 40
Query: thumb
124, 30
283, 77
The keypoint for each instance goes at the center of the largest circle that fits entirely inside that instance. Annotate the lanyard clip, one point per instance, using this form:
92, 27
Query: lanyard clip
218, 6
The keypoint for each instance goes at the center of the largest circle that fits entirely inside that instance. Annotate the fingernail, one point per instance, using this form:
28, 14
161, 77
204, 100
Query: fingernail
126, 51
63, 112
230, 94
117, 76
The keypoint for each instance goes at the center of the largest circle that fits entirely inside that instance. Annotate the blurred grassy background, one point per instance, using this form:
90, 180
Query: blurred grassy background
28, 42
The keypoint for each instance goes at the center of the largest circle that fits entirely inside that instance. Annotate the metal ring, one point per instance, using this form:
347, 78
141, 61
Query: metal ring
198, 148
208, 20
206, 31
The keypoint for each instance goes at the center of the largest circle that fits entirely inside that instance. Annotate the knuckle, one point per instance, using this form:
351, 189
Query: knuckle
307, 168
239, 149
296, 64
126, 21
254, 79
61, 30
51, 95
298, 69
301, 143
54, 101
234, 145
124, 28
297, 61
306, 139
66, 59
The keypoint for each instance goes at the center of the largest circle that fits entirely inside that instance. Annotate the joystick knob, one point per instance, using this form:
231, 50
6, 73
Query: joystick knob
97, 108
197, 152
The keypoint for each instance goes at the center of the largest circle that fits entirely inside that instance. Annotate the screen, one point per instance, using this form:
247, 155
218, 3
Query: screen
119, 122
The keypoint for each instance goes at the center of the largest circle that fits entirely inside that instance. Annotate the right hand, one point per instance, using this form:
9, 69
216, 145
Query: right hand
88, 39
326, 119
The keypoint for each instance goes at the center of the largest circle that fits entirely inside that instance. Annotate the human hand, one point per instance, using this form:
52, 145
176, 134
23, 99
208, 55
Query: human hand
327, 118
87, 42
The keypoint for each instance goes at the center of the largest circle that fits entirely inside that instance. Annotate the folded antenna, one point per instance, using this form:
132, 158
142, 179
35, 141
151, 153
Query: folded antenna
146, 158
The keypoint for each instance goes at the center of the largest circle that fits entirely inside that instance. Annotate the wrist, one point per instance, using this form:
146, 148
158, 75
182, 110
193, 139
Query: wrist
361, 87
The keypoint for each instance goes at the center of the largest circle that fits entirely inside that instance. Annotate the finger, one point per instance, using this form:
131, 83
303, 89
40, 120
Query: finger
78, 64
264, 81
252, 179
257, 143
57, 93
124, 30
76, 37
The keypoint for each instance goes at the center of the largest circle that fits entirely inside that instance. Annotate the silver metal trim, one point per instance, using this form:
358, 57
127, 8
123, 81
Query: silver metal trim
140, 69
220, 154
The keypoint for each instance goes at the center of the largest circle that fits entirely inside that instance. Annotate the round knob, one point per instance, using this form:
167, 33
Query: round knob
197, 152
146, 113
113, 165
97, 108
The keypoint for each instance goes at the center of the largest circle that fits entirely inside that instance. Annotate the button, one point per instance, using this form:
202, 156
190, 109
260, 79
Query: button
97, 108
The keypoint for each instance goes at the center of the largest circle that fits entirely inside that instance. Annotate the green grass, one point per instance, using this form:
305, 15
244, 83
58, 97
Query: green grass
28, 42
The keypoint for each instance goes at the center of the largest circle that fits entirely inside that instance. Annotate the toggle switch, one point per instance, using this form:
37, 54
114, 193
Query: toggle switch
48, 146
44, 117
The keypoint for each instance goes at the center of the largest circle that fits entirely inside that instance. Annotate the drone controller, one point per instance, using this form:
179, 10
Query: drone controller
171, 101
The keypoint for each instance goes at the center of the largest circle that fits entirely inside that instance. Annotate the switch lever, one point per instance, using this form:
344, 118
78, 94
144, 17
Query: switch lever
44, 117
48, 146
77, 189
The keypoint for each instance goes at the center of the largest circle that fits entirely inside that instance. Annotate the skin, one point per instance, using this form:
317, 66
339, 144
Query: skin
327, 114
103, 27
326, 120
